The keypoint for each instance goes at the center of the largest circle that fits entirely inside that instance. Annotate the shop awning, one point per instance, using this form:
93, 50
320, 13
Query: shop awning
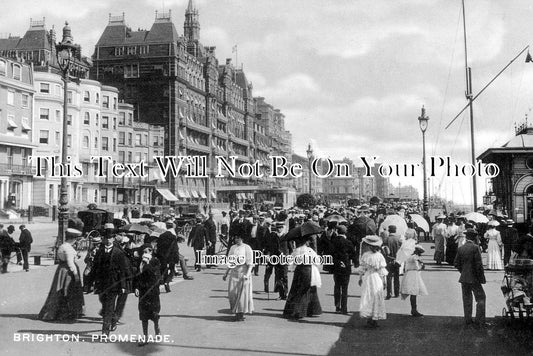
167, 194
181, 194
194, 194
202, 195
187, 195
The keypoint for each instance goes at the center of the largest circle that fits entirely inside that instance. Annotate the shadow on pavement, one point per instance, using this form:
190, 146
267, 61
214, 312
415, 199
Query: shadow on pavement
402, 334
217, 350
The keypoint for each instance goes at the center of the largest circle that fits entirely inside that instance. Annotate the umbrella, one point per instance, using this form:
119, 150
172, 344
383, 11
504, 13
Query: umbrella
420, 222
137, 228
476, 217
307, 228
160, 225
157, 229
335, 218
398, 221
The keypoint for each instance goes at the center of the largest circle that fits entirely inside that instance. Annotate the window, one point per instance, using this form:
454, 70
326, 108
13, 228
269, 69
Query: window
87, 119
105, 102
11, 125
146, 143
105, 122
137, 139
114, 123
103, 195
121, 119
97, 98
114, 145
17, 70
131, 71
121, 138
86, 141
130, 119
96, 121
115, 103
44, 114
130, 157
105, 143
69, 140
87, 97
2, 67
26, 125
132, 50
119, 51
69, 120
130, 139
96, 142
143, 49
24, 100
137, 156
58, 90
69, 97
58, 115
43, 136
58, 138
10, 97
121, 156
156, 141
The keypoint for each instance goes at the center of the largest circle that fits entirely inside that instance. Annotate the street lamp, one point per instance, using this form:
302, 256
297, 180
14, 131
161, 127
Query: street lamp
423, 122
309, 158
65, 51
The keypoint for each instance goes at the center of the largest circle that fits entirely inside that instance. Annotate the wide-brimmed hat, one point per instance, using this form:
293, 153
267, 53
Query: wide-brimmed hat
493, 223
109, 226
509, 221
420, 249
96, 239
441, 216
72, 233
373, 240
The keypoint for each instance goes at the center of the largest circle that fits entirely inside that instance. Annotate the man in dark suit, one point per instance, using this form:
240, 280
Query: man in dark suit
509, 240
25, 241
110, 277
391, 245
211, 230
343, 254
240, 227
167, 254
198, 240
468, 261
277, 244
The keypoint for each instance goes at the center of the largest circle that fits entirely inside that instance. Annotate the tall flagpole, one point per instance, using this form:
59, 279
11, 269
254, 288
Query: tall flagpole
469, 96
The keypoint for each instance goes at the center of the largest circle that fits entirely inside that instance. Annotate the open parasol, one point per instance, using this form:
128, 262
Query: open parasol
420, 221
398, 221
136, 228
476, 217
307, 228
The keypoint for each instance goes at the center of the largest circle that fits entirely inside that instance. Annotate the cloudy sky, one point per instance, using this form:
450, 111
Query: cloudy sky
351, 76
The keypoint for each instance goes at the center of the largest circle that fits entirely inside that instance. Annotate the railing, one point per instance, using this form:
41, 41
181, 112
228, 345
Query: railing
17, 169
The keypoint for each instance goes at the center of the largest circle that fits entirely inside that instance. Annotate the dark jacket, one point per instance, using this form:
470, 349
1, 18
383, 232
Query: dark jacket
468, 262
211, 229
110, 271
241, 228
167, 249
7, 244
276, 245
262, 235
393, 243
343, 253
25, 240
197, 237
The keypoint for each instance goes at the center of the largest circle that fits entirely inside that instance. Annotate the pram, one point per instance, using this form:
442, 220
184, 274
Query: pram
517, 287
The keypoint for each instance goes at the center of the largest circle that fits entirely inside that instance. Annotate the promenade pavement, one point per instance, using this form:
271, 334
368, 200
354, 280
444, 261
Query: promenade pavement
196, 320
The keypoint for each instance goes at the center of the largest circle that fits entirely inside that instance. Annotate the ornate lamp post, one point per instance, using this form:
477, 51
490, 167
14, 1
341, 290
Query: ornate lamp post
65, 51
423, 122
309, 158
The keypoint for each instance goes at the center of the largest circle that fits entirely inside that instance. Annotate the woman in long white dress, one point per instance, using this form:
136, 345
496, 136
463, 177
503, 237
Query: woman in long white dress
494, 258
240, 280
412, 283
372, 273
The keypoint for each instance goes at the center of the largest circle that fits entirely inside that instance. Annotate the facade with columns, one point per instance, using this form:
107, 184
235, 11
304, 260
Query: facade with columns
16, 134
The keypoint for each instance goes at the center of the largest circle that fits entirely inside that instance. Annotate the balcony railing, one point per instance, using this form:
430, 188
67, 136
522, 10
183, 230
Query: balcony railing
17, 169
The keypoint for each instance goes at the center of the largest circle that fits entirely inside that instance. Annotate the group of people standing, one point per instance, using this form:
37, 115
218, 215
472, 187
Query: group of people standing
21, 248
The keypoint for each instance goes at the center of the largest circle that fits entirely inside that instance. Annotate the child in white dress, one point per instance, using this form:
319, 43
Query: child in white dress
412, 283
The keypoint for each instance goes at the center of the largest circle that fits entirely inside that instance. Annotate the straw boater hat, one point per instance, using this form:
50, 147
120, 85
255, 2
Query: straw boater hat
441, 216
493, 223
72, 233
109, 226
509, 221
373, 240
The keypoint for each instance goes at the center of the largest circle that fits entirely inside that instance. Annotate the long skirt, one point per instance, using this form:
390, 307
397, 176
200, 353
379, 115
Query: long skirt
439, 249
303, 298
413, 284
494, 258
240, 291
65, 299
451, 251
372, 297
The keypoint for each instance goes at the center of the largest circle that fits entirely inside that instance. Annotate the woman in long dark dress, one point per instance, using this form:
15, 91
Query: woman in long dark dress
303, 298
65, 300
147, 289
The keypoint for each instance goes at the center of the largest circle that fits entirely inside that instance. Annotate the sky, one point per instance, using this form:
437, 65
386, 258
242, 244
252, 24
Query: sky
351, 76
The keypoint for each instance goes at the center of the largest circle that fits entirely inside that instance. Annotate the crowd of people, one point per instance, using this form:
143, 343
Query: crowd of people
359, 239
8, 246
